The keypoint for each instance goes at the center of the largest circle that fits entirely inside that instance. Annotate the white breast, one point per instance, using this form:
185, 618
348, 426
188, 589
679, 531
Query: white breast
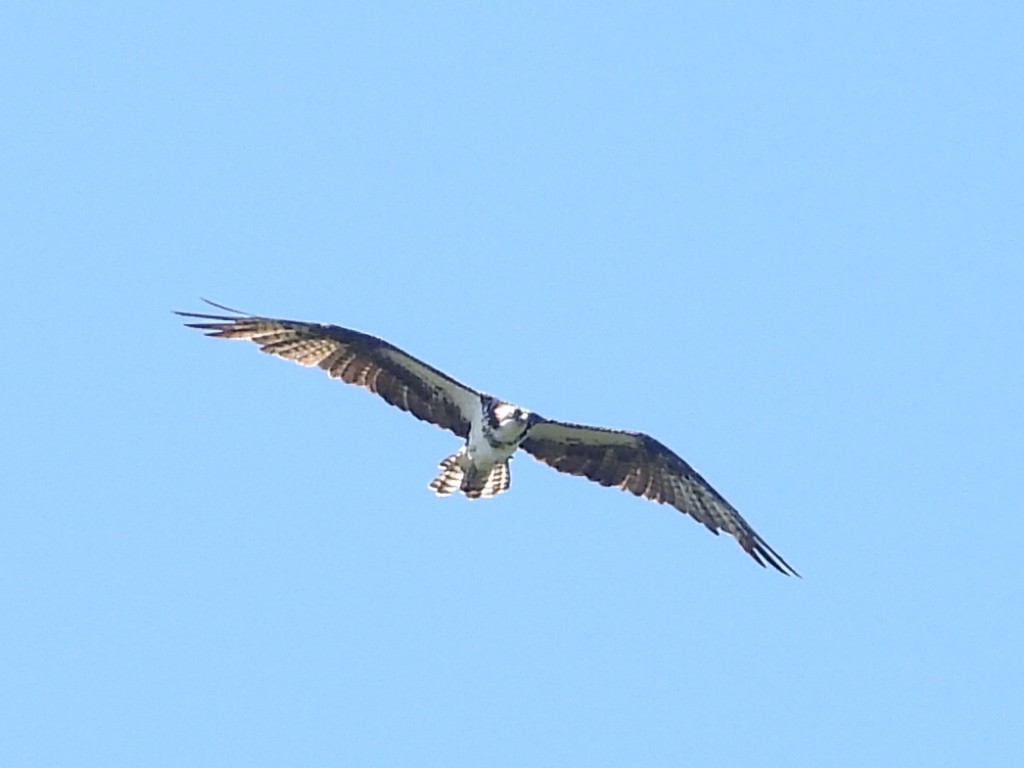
479, 450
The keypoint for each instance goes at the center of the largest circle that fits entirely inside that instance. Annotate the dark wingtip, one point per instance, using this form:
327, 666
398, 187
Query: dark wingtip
226, 309
203, 316
776, 561
764, 556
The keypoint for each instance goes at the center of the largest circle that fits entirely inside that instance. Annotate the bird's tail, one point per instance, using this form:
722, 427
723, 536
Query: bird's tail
476, 484
450, 479
484, 485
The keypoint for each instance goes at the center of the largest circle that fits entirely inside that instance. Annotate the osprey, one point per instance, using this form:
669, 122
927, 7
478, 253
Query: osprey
492, 429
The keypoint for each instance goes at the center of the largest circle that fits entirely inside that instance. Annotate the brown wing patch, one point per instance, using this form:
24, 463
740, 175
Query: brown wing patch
638, 463
355, 358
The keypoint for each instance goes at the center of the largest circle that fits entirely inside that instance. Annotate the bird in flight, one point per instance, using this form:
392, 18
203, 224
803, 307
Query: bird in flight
492, 429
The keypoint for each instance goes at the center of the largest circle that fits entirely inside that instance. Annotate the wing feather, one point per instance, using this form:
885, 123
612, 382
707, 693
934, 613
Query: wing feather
355, 358
638, 463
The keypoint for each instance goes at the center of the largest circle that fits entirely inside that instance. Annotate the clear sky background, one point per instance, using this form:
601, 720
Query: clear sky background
786, 239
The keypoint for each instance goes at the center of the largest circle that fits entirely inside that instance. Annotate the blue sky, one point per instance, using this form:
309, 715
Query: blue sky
786, 239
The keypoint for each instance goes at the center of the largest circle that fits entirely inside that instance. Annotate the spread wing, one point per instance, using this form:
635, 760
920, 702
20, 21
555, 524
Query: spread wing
355, 358
638, 463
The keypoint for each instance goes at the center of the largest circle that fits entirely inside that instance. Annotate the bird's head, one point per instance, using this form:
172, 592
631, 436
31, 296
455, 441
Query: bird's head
509, 421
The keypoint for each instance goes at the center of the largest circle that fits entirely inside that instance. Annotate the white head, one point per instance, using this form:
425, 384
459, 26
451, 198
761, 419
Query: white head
510, 421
